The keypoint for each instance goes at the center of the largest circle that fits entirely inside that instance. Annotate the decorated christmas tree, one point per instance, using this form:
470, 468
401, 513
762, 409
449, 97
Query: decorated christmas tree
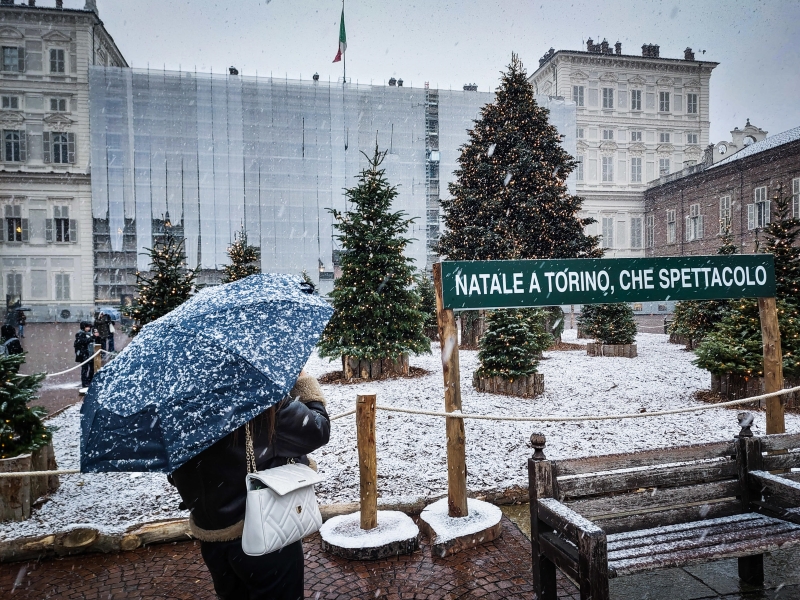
166, 286
612, 324
427, 296
694, 319
509, 199
735, 344
586, 318
377, 310
781, 241
21, 427
509, 348
245, 259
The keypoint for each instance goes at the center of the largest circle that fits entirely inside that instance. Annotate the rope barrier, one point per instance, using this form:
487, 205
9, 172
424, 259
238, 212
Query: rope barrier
76, 366
564, 418
460, 415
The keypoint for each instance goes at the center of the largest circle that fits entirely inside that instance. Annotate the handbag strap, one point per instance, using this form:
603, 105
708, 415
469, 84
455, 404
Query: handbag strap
251, 455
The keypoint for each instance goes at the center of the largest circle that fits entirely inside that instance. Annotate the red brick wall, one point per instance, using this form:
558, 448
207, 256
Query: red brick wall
738, 180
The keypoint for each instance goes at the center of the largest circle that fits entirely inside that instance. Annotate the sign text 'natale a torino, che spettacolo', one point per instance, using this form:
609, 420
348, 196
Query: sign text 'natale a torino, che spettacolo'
520, 283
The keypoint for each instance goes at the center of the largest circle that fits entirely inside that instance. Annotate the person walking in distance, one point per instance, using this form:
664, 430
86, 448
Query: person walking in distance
21, 320
111, 331
211, 485
84, 348
9, 343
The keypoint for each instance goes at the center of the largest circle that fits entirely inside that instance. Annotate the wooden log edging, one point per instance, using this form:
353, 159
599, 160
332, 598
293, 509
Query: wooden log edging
529, 386
361, 368
619, 350
86, 540
735, 387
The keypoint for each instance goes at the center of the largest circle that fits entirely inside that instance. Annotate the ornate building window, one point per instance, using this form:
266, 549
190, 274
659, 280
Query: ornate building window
636, 99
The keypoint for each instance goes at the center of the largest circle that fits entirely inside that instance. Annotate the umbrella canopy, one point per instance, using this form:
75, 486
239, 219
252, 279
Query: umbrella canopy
112, 312
198, 373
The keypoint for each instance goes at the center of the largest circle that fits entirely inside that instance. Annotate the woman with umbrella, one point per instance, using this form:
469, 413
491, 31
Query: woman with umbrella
212, 487
189, 390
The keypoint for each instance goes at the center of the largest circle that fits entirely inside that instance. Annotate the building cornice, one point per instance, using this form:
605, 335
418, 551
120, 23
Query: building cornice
626, 61
55, 178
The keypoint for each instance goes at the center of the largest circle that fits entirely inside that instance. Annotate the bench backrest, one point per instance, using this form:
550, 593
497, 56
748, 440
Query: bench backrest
623, 492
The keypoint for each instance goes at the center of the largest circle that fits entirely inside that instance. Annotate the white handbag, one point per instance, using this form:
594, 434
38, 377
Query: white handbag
281, 505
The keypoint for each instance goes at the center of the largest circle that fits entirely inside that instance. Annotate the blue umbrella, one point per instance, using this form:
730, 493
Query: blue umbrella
112, 312
198, 373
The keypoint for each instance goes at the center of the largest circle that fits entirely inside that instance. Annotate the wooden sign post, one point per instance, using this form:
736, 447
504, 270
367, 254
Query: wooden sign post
456, 438
773, 363
367, 459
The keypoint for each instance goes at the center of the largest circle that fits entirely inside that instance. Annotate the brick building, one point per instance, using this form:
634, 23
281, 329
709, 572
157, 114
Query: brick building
686, 211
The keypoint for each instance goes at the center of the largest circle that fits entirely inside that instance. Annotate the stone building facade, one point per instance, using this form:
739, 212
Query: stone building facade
45, 183
636, 117
685, 213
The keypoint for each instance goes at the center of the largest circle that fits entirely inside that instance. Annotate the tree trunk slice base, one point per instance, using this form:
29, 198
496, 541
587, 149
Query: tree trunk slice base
482, 525
395, 534
18, 494
528, 386
736, 387
618, 350
380, 368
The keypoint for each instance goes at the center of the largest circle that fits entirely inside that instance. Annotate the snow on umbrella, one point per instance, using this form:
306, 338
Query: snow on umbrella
112, 312
199, 372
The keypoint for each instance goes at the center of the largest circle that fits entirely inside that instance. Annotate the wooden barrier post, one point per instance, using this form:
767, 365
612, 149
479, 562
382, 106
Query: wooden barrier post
98, 360
773, 363
367, 459
456, 438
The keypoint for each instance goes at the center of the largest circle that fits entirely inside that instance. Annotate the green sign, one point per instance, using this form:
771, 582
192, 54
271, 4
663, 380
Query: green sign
518, 283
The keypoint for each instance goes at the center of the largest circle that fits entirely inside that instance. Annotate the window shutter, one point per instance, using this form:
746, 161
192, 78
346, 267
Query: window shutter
700, 230
73, 230
687, 234
71, 148
751, 216
24, 230
23, 145
21, 60
2, 152
48, 231
767, 212
46, 147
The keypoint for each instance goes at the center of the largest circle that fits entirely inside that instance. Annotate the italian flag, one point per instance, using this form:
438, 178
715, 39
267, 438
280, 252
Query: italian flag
342, 41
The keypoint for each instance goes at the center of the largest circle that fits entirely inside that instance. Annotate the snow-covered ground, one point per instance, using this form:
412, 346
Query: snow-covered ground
411, 449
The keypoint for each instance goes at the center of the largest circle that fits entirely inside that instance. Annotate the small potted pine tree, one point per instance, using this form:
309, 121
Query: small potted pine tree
25, 442
510, 351
613, 329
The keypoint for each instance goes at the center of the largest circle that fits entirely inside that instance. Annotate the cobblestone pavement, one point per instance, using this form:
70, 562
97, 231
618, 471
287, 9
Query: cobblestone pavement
494, 571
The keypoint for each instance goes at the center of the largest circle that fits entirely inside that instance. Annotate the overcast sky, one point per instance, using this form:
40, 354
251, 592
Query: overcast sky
449, 43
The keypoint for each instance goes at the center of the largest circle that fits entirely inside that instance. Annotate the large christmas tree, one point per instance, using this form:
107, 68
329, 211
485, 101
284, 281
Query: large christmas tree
735, 344
427, 296
694, 319
167, 285
377, 311
245, 259
21, 427
510, 199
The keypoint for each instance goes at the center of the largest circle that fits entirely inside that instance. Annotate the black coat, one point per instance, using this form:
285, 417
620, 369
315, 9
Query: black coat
212, 484
84, 344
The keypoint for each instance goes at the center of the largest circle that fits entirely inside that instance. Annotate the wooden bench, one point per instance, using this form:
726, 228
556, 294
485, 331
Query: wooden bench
601, 517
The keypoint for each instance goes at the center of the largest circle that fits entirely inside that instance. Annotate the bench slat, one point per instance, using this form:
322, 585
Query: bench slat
701, 555
785, 490
782, 441
648, 533
701, 537
605, 506
643, 458
596, 484
774, 462
672, 516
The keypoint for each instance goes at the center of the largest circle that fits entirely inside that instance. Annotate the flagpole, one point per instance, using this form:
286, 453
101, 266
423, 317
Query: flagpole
344, 57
